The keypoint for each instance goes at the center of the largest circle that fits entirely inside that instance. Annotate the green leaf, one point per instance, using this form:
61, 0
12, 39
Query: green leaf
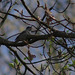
66, 67
11, 65
70, 65
67, 31
16, 61
73, 61
25, 58
53, 38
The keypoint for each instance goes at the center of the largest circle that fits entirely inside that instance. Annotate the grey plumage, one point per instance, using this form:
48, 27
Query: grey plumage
23, 35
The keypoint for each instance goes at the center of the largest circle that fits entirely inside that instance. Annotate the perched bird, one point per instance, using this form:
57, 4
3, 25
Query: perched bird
23, 35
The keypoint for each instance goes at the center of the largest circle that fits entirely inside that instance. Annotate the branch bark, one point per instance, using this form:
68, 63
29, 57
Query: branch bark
35, 38
15, 52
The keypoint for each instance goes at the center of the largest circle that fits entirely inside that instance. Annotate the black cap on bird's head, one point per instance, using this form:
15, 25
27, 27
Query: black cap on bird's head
29, 28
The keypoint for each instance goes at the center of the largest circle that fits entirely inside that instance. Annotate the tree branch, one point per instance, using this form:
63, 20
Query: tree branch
15, 52
36, 38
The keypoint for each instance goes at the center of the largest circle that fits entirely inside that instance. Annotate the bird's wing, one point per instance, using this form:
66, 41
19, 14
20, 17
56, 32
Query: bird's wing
20, 36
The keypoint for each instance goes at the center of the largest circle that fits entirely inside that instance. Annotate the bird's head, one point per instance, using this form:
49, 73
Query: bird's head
29, 28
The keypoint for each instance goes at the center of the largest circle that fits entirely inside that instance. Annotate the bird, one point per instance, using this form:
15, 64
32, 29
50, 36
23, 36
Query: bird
23, 35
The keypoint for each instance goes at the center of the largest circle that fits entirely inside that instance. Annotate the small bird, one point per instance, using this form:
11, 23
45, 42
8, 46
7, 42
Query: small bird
23, 35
